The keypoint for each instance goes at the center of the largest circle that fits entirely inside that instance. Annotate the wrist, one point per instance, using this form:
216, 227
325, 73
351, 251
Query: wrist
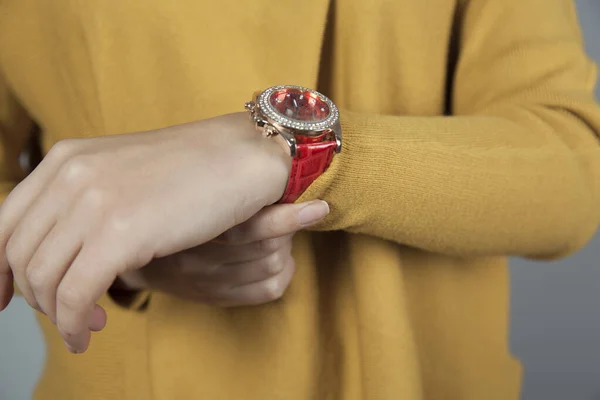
268, 166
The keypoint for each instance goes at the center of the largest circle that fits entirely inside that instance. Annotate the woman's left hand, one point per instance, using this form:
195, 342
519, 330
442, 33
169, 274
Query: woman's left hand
99, 207
249, 264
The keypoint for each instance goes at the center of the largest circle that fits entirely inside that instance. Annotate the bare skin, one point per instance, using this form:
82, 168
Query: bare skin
250, 264
99, 208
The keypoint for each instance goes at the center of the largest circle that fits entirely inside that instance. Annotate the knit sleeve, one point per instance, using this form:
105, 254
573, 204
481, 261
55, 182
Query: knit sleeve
515, 170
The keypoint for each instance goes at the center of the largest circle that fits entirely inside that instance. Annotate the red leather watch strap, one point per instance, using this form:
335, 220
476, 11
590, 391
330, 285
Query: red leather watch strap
312, 159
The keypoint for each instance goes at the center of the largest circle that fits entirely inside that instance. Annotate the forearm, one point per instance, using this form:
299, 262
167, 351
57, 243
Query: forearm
469, 186
514, 170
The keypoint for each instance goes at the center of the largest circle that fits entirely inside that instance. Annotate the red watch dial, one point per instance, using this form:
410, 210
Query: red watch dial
296, 108
301, 105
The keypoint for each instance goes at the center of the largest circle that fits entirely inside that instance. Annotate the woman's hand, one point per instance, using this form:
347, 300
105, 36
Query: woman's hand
97, 208
248, 265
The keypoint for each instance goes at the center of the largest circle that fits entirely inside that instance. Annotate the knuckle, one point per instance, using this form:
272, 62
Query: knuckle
36, 278
268, 246
77, 169
274, 263
273, 289
70, 297
62, 149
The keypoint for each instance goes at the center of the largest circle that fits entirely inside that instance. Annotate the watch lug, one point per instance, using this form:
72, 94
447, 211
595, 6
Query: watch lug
287, 142
337, 131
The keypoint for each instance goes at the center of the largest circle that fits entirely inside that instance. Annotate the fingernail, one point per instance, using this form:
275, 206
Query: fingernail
313, 212
71, 348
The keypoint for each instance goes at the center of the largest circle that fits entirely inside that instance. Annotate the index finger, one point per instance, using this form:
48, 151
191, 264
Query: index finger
16, 204
90, 276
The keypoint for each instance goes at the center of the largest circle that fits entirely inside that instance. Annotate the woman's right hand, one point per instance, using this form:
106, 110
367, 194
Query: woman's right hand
249, 264
96, 208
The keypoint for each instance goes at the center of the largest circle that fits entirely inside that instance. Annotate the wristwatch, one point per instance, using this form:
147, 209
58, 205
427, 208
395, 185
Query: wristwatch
307, 126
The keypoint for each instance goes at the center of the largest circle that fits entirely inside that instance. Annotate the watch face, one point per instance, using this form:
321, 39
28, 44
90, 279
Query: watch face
298, 108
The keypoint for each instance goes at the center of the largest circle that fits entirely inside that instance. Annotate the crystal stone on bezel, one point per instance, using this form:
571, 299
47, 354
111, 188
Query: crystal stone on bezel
298, 107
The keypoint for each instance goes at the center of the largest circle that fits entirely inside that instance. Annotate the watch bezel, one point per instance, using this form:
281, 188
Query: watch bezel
304, 127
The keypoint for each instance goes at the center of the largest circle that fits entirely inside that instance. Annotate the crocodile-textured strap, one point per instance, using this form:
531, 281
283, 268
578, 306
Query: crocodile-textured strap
312, 159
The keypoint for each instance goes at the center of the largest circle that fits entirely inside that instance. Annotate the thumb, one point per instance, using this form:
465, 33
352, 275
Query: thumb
276, 221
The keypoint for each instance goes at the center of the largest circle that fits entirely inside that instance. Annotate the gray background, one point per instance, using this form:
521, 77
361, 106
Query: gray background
555, 314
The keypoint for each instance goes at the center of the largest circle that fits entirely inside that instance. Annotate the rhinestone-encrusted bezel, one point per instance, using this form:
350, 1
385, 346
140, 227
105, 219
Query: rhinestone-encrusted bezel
267, 108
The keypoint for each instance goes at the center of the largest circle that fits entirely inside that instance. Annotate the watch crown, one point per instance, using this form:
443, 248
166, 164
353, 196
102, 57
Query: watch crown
269, 130
250, 106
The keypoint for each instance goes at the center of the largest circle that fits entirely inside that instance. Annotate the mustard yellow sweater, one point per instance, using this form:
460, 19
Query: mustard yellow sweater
470, 133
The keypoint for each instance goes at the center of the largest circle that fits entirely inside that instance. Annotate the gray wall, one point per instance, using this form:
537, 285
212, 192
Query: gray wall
556, 306
555, 314
21, 351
